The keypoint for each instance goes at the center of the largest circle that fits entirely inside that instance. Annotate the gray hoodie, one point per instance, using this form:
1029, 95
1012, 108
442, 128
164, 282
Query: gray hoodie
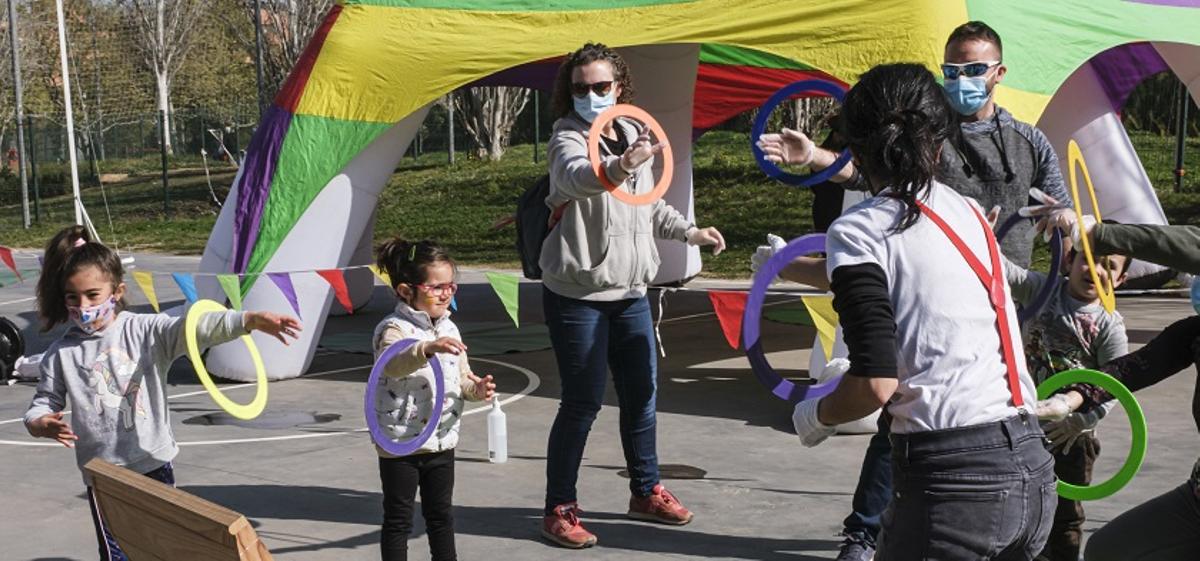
602, 249
116, 383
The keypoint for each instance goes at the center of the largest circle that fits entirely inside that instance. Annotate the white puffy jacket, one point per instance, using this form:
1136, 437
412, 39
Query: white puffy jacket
404, 400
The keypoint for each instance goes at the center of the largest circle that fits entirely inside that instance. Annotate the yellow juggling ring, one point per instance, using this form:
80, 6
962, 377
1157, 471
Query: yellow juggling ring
1108, 298
244, 412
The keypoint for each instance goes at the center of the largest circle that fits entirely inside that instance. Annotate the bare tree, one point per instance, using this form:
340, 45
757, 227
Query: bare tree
166, 29
488, 114
288, 25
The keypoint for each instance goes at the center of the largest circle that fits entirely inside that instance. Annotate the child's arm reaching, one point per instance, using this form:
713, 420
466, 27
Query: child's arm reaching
1023, 283
473, 387
415, 356
44, 418
218, 327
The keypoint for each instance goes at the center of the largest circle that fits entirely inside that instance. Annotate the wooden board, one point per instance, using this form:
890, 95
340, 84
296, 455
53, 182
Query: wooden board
153, 521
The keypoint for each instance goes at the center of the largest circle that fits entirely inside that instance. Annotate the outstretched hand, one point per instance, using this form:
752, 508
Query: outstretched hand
707, 236
276, 325
52, 426
787, 147
484, 387
640, 152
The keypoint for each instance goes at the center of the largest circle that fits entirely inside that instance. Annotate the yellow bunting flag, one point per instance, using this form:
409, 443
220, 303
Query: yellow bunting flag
232, 286
145, 280
383, 276
825, 319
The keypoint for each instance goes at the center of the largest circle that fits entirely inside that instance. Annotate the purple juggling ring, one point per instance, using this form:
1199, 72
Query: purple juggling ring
1024, 314
752, 318
402, 447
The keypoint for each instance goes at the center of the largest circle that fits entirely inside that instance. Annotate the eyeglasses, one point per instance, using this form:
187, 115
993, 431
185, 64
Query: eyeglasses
439, 289
579, 89
952, 71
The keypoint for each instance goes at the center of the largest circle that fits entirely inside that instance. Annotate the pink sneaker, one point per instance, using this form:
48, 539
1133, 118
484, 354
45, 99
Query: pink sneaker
661, 506
564, 528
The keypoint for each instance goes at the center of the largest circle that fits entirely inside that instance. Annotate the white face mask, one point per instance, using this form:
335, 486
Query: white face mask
593, 105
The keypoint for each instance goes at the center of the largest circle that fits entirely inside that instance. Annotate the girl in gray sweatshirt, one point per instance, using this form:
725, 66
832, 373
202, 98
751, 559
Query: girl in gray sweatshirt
112, 365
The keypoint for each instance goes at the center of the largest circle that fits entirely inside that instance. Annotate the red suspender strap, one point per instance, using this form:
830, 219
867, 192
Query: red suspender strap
994, 283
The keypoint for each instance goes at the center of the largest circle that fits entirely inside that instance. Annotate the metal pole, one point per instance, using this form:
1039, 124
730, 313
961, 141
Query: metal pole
162, 144
258, 55
16, 71
450, 122
37, 190
537, 124
1185, 101
66, 84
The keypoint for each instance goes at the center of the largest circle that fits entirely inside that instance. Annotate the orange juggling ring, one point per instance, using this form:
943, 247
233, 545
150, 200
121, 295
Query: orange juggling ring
668, 169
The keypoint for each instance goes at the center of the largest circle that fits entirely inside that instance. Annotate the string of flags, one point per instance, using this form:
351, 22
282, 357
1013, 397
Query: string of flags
728, 305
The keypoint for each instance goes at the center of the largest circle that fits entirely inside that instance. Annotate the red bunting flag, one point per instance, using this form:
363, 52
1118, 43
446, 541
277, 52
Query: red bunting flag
729, 307
6, 256
338, 282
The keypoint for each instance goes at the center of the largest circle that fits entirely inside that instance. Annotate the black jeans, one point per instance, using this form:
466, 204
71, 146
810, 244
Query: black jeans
980, 492
1165, 528
109, 550
401, 477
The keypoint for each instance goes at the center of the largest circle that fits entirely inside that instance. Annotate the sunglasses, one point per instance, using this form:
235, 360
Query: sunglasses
579, 89
969, 69
439, 290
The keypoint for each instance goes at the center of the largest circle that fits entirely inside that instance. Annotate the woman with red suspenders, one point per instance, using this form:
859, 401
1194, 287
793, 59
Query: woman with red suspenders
933, 336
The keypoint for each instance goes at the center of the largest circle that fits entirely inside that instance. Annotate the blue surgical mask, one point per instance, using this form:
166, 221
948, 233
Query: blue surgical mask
967, 95
1196, 294
593, 105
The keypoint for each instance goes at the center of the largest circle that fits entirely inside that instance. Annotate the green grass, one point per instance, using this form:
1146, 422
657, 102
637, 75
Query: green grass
458, 204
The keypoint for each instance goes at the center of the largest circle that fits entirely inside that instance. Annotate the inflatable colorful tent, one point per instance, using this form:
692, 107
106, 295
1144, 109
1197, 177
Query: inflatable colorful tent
305, 196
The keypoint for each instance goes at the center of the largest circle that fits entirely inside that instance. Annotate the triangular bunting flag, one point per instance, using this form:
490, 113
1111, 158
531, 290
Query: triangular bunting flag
6, 256
729, 307
232, 285
145, 280
284, 282
338, 281
383, 276
506, 287
825, 319
187, 285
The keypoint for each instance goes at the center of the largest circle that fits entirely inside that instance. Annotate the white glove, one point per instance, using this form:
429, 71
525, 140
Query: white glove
834, 368
1063, 434
790, 147
809, 428
1055, 408
775, 244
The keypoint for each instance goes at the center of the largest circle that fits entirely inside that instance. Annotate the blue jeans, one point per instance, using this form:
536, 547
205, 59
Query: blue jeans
874, 489
109, 550
589, 338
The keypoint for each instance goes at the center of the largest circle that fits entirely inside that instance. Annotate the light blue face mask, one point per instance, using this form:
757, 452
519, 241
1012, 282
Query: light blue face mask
1196, 294
967, 95
593, 105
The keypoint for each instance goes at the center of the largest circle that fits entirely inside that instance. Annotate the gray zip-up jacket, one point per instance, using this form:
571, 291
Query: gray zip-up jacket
116, 383
602, 249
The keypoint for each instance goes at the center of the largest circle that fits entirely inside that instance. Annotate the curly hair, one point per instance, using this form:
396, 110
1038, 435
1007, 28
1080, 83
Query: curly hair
561, 100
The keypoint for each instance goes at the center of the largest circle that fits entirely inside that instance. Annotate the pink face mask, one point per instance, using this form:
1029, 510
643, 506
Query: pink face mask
91, 319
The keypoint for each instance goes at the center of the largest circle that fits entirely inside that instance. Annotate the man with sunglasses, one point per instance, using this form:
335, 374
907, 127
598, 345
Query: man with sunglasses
996, 159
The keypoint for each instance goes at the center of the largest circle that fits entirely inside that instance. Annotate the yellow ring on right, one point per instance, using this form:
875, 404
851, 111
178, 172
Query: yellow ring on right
1108, 298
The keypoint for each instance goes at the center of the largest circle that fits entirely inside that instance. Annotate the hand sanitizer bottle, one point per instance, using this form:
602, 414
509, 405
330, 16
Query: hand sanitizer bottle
497, 433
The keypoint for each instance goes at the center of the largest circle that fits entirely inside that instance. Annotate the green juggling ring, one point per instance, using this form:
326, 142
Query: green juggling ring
1137, 423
